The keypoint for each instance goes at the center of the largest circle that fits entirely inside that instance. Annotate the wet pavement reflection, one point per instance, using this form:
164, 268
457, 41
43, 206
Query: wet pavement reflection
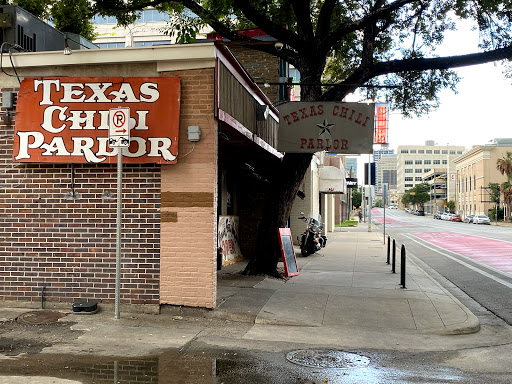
213, 367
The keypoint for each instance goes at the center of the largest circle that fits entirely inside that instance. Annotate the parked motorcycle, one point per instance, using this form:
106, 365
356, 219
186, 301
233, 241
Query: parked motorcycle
312, 239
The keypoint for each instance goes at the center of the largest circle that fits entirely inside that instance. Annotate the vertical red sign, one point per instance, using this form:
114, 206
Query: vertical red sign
381, 124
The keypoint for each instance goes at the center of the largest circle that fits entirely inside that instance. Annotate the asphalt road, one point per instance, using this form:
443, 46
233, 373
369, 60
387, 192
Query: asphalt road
476, 258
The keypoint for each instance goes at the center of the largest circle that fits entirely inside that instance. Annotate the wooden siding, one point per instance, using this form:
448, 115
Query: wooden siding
241, 105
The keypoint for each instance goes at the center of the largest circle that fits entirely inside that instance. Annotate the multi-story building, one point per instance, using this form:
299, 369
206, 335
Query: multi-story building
385, 170
148, 30
351, 166
414, 161
476, 169
378, 153
437, 179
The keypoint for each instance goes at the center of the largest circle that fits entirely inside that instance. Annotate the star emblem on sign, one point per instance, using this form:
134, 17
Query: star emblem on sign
325, 127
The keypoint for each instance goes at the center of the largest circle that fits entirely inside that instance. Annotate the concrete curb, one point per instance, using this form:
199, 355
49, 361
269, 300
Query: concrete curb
472, 325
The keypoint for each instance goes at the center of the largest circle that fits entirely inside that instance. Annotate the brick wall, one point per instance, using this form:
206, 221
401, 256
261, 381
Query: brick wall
260, 64
189, 201
68, 246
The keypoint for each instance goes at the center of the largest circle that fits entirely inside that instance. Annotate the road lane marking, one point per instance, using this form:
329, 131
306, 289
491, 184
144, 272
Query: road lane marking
472, 267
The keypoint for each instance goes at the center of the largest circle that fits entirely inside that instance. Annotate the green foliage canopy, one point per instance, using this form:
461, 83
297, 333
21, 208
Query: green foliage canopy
349, 43
357, 198
418, 195
66, 15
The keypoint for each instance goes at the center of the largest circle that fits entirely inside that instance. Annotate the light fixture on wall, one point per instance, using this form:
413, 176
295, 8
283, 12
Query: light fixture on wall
265, 83
72, 194
262, 112
67, 50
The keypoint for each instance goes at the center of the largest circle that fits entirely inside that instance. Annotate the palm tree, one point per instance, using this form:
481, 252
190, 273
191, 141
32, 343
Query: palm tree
504, 165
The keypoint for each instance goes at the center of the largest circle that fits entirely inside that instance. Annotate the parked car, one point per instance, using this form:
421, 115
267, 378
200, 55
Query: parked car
447, 216
437, 215
419, 213
408, 210
481, 219
456, 218
469, 219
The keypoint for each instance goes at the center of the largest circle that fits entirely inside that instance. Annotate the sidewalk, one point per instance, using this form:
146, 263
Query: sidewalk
344, 297
345, 289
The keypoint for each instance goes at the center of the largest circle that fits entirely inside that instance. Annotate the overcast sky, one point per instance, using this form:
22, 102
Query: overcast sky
480, 112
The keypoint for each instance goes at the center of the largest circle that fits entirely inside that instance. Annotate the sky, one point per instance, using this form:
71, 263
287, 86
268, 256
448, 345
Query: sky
477, 114
480, 112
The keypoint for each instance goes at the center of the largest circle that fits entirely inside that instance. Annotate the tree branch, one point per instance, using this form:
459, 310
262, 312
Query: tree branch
347, 28
362, 75
447, 62
324, 19
303, 17
278, 31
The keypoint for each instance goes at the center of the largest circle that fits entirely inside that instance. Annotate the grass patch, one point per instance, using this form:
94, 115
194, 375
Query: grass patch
348, 223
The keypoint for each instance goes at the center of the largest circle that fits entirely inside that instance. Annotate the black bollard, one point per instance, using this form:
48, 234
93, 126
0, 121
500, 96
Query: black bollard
389, 250
402, 266
394, 257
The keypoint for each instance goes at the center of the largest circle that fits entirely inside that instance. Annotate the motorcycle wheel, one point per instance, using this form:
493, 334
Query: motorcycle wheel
304, 253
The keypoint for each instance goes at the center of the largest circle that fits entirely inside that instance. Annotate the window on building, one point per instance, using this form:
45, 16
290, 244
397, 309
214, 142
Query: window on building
459, 152
404, 151
445, 161
418, 170
151, 16
452, 152
418, 179
421, 151
426, 170
427, 162
104, 20
413, 151
436, 152
418, 162
409, 185
408, 170
408, 162
437, 161
445, 152
408, 178
428, 151
110, 45
151, 43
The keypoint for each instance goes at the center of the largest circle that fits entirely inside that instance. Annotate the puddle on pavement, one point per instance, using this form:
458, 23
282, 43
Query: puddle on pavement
205, 368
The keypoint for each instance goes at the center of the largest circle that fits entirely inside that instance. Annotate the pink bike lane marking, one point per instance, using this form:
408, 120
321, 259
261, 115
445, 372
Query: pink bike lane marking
494, 253
388, 220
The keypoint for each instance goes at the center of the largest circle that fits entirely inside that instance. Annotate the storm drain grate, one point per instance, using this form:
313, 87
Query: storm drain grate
40, 317
327, 359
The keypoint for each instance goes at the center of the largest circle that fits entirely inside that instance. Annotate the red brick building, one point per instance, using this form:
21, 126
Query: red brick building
58, 215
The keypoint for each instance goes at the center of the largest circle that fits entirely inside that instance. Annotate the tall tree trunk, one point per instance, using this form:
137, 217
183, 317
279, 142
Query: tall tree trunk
284, 186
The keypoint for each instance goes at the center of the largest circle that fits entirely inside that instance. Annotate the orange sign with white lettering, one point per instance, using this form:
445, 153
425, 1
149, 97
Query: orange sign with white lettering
66, 120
